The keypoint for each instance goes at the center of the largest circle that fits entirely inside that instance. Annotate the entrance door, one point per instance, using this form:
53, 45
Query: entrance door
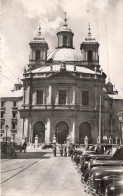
39, 130
62, 131
84, 130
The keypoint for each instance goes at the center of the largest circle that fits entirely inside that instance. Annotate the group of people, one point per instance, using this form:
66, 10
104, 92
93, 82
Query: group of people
65, 150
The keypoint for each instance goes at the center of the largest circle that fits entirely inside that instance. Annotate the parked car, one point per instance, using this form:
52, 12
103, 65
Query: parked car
19, 147
115, 158
110, 152
111, 185
115, 189
99, 163
48, 145
97, 173
91, 149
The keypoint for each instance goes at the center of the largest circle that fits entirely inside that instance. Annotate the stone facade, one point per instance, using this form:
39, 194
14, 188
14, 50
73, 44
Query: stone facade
62, 94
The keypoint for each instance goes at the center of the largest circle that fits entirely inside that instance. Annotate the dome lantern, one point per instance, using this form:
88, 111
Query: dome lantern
65, 36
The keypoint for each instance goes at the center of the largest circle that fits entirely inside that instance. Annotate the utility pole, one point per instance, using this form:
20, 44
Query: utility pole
100, 120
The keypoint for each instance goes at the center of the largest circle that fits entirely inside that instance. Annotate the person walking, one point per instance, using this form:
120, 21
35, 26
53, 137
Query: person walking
65, 150
61, 150
54, 149
24, 146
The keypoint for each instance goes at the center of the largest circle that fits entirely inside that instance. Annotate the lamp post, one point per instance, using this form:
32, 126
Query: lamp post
120, 121
6, 127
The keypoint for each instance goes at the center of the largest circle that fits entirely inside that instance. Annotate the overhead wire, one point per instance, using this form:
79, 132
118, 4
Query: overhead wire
9, 70
7, 77
5, 71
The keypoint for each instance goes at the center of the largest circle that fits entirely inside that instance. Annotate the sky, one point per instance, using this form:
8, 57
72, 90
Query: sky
19, 25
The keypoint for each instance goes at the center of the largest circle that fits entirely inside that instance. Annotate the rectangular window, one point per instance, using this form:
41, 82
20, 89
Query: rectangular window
40, 97
13, 126
2, 114
14, 103
14, 114
62, 97
2, 104
85, 98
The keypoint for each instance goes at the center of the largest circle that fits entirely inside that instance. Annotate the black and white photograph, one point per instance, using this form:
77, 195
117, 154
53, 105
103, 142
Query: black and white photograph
61, 97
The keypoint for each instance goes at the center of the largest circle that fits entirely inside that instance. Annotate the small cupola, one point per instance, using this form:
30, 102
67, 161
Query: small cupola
109, 87
38, 51
17, 85
65, 36
89, 50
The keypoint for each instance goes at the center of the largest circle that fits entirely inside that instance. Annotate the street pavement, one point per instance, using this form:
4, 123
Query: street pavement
41, 175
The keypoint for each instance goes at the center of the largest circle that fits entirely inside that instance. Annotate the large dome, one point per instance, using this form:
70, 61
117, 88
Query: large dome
64, 54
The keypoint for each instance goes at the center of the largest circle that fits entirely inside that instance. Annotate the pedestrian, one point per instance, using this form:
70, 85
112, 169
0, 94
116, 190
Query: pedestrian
54, 149
24, 146
61, 150
65, 150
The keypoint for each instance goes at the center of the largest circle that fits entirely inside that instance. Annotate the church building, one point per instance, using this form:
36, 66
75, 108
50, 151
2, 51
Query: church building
63, 93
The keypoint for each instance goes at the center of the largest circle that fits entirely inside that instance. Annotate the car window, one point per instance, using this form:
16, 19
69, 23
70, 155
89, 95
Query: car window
111, 151
91, 147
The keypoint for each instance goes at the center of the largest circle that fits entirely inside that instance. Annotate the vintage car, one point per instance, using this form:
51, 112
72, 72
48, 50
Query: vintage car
47, 145
99, 163
77, 153
97, 173
111, 152
93, 149
19, 147
75, 156
111, 185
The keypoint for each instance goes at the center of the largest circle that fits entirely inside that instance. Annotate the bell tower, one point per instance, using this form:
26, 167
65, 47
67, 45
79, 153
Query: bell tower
89, 50
38, 51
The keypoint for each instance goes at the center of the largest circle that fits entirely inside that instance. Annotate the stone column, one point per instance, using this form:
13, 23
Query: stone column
74, 95
96, 55
34, 98
86, 55
44, 96
33, 54
50, 94
48, 131
57, 97
73, 132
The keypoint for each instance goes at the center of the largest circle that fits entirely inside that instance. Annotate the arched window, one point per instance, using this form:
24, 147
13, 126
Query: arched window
64, 40
90, 55
37, 54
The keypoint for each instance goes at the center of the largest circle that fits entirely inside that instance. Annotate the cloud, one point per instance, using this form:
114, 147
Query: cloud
20, 19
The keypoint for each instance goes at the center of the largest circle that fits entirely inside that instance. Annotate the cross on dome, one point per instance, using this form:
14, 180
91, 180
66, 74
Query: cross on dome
89, 29
39, 31
65, 19
89, 36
